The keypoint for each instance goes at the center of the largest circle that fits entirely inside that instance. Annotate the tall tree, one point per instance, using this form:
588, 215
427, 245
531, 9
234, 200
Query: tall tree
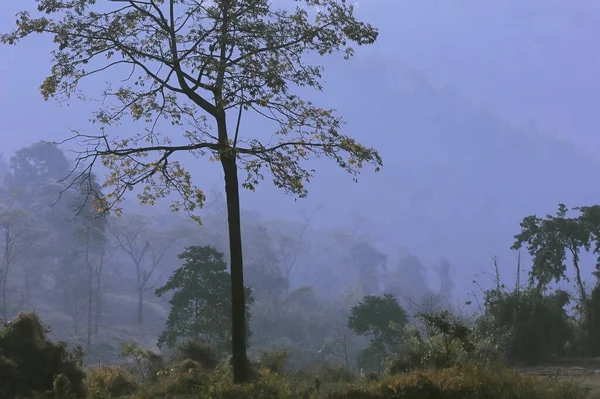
193, 61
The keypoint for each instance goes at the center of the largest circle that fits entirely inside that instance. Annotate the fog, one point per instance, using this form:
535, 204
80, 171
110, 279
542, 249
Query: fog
483, 113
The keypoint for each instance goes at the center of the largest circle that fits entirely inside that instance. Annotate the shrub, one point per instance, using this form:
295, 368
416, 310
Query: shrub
336, 373
148, 363
462, 382
31, 365
189, 364
176, 382
108, 382
200, 352
275, 361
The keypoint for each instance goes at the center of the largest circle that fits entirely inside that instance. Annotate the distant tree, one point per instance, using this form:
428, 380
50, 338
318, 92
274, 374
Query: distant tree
201, 301
37, 175
406, 279
3, 169
192, 62
40, 182
91, 235
101, 285
18, 234
446, 282
145, 248
289, 248
263, 273
379, 317
369, 264
71, 280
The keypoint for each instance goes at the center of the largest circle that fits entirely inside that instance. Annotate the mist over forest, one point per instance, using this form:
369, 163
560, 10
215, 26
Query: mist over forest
482, 137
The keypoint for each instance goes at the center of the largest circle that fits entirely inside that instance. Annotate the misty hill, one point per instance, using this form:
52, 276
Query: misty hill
456, 180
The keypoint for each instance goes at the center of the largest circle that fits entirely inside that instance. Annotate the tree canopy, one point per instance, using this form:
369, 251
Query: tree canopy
187, 61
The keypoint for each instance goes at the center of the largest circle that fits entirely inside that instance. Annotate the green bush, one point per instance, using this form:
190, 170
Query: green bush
109, 382
30, 365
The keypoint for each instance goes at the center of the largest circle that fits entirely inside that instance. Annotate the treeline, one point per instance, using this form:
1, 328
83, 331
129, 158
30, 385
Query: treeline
62, 258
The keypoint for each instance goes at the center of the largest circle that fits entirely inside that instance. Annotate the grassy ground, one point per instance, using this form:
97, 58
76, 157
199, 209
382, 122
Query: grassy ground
582, 371
118, 324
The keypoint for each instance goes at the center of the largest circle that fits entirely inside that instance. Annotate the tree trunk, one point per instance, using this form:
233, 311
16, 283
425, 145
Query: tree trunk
99, 293
5, 272
90, 294
585, 304
238, 299
4, 307
89, 321
27, 288
140, 310
98, 309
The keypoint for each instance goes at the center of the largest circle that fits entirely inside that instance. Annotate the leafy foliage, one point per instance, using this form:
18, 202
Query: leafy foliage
554, 239
198, 351
30, 364
110, 382
147, 363
379, 317
450, 330
373, 316
181, 60
201, 304
529, 326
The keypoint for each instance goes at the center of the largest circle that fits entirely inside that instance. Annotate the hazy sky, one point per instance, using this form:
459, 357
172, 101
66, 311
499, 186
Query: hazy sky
524, 62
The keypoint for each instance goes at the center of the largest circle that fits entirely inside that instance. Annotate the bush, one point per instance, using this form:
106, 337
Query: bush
529, 327
275, 361
148, 363
200, 352
108, 382
176, 382
32, 365
336, 373
462, 382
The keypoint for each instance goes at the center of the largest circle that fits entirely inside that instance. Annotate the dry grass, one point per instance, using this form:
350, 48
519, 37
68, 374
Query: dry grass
585, 372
